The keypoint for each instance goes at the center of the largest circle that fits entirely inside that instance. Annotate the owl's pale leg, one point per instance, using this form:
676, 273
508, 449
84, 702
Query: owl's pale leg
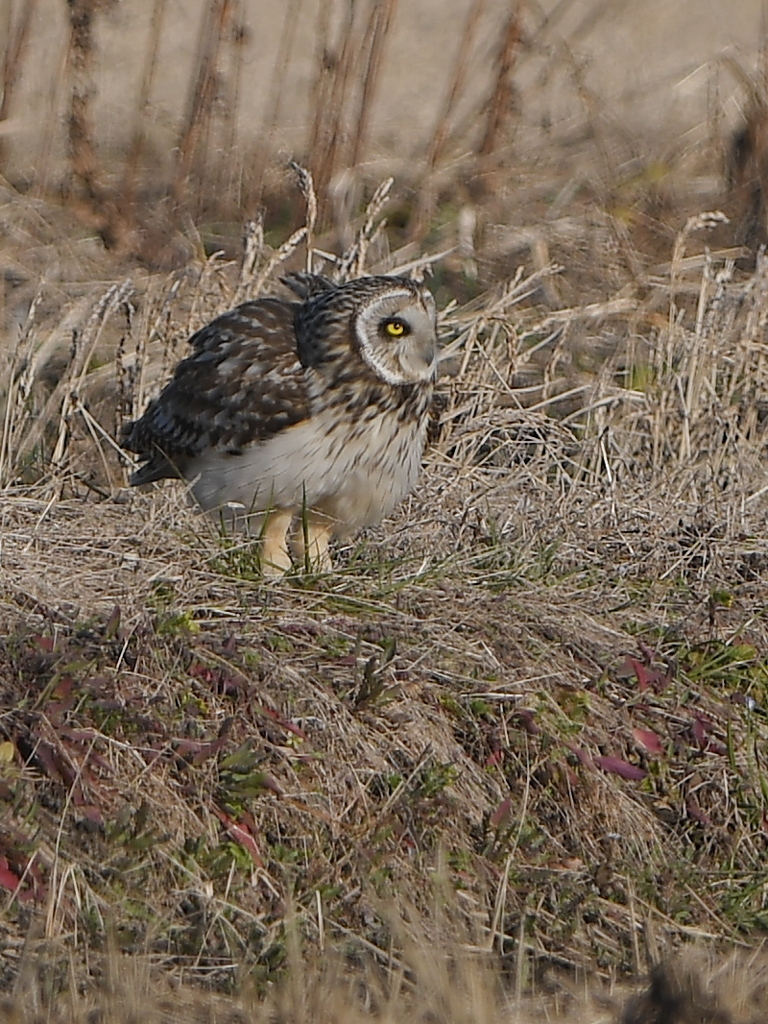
319, 535
275, 560
312, 547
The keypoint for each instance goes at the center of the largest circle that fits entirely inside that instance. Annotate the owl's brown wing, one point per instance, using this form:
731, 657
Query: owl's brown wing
243, 383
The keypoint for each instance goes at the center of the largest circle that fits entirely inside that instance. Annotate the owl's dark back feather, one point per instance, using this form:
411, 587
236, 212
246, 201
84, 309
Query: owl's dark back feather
242, 383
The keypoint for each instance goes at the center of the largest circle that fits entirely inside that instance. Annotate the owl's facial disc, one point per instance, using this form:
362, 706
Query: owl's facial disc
398, 337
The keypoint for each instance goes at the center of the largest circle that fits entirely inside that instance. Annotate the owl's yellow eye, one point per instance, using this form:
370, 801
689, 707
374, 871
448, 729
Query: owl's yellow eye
395, 328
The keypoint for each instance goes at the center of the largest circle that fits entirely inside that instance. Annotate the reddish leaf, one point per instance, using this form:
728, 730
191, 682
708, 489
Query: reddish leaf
220, 680
696, 812
649, 654
702, 725
204, 672
626, 669
63, 687
525, 718
84, 738
660, 680
67, 771
501, 816
92, 814
45, 754
651, 678
45, 643
56, 709
616, 766
648, 739
150, 755
210, 750
241, 834
8, 879
39, 889
701, 728
285, 723
195, 752
187, 747
641, 673
494, 758
77, 735
582, 754
108, 705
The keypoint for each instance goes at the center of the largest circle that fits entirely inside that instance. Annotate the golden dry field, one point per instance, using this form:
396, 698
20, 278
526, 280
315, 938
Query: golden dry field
508, 761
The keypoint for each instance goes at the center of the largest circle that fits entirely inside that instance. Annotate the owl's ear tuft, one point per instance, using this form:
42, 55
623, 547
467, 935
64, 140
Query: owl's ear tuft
306, 285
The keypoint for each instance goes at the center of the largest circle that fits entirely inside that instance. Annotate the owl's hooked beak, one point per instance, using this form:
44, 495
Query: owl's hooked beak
418, 356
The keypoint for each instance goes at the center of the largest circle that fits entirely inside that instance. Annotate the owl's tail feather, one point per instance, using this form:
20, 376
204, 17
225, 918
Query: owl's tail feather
156, 469
156, 464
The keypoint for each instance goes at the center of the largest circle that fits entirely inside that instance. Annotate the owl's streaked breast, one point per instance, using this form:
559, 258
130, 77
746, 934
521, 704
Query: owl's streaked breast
353, 472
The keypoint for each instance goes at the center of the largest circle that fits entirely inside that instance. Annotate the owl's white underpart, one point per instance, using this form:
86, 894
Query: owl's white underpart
310, 412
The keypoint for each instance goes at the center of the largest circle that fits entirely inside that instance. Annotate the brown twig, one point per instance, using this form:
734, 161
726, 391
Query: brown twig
379, 24
17, 39
442, 128
193, 140
501, 104
280, 74
100, 204
138, 135
458, 77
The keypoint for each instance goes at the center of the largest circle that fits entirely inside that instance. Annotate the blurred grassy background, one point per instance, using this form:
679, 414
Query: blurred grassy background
196, 107
651, 65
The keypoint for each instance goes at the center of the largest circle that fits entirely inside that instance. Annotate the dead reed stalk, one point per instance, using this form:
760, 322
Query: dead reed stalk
26, 423
277, 91
100, 204
230, 167
747, 159
345, 85
132, 166
329, 113
17, 34
442, 129
379, 24
195, 134
502, 101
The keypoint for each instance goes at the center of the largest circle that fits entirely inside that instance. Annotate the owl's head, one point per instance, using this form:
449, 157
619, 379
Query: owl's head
396, 332
389, 322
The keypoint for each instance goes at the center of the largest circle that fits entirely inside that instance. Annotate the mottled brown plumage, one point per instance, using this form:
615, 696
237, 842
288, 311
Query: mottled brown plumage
242, 383
315, 407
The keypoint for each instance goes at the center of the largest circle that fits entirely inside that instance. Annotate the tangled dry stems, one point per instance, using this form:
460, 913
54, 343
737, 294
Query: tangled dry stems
538, 685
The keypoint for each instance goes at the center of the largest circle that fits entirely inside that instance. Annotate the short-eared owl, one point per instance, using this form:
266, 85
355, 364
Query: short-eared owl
299, 419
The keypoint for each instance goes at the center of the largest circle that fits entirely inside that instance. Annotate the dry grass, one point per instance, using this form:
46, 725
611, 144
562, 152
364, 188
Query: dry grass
538, 688
508, 759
